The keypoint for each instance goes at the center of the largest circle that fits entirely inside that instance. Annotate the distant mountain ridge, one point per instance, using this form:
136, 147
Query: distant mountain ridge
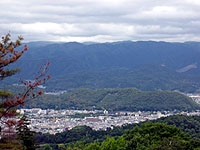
147, 65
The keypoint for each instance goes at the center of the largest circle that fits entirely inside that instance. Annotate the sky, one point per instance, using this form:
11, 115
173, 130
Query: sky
101, 20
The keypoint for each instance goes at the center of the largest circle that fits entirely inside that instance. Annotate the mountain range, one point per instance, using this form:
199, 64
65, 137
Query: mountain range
146, 65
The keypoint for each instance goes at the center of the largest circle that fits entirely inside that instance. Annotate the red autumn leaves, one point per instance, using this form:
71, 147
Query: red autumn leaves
8, 105
8, 53
29, 90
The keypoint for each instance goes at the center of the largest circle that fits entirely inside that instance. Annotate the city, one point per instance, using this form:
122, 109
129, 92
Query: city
55, 121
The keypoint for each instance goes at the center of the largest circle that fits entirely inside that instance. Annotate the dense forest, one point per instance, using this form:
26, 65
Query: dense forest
145, 65
128, 99
147, 134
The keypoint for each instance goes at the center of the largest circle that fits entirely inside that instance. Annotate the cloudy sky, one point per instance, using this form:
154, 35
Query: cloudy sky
101, 20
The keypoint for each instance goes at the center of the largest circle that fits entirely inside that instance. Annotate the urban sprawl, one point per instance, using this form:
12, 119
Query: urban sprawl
54, 121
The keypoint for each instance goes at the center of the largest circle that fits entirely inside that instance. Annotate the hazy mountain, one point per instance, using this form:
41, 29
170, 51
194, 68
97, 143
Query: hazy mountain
146, 65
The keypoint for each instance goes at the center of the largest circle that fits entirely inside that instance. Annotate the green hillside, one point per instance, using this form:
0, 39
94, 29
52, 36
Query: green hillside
128, 99
145, 65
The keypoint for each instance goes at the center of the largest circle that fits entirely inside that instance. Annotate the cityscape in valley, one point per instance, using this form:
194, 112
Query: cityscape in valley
55, 121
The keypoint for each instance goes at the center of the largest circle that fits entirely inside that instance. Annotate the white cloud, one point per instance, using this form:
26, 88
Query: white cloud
193, 2
101, 20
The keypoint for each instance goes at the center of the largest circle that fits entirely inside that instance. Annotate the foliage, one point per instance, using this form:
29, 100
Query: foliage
151, 136
188, 124
128, 99
25, 135
9, 55
10, 145
46, 147
9, 101
159, 136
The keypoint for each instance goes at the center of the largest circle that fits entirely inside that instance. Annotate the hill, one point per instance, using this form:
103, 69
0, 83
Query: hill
128, 99
145, 65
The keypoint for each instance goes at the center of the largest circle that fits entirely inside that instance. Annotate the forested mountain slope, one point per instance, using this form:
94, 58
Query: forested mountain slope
145, 65
127, 99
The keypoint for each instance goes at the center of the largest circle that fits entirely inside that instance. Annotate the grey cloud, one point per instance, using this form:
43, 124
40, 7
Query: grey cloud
101, 20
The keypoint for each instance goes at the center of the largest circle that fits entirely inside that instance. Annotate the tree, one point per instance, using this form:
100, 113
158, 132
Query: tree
9, 102
25, 135
93, 146
159, 136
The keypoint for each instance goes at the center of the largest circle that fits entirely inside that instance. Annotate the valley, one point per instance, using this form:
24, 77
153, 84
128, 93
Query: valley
56, 121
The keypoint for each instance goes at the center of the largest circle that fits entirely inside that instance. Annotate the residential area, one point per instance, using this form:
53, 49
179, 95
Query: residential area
54, 121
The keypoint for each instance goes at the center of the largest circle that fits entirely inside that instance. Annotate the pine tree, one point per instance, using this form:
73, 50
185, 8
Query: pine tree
9, 102
25, 135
